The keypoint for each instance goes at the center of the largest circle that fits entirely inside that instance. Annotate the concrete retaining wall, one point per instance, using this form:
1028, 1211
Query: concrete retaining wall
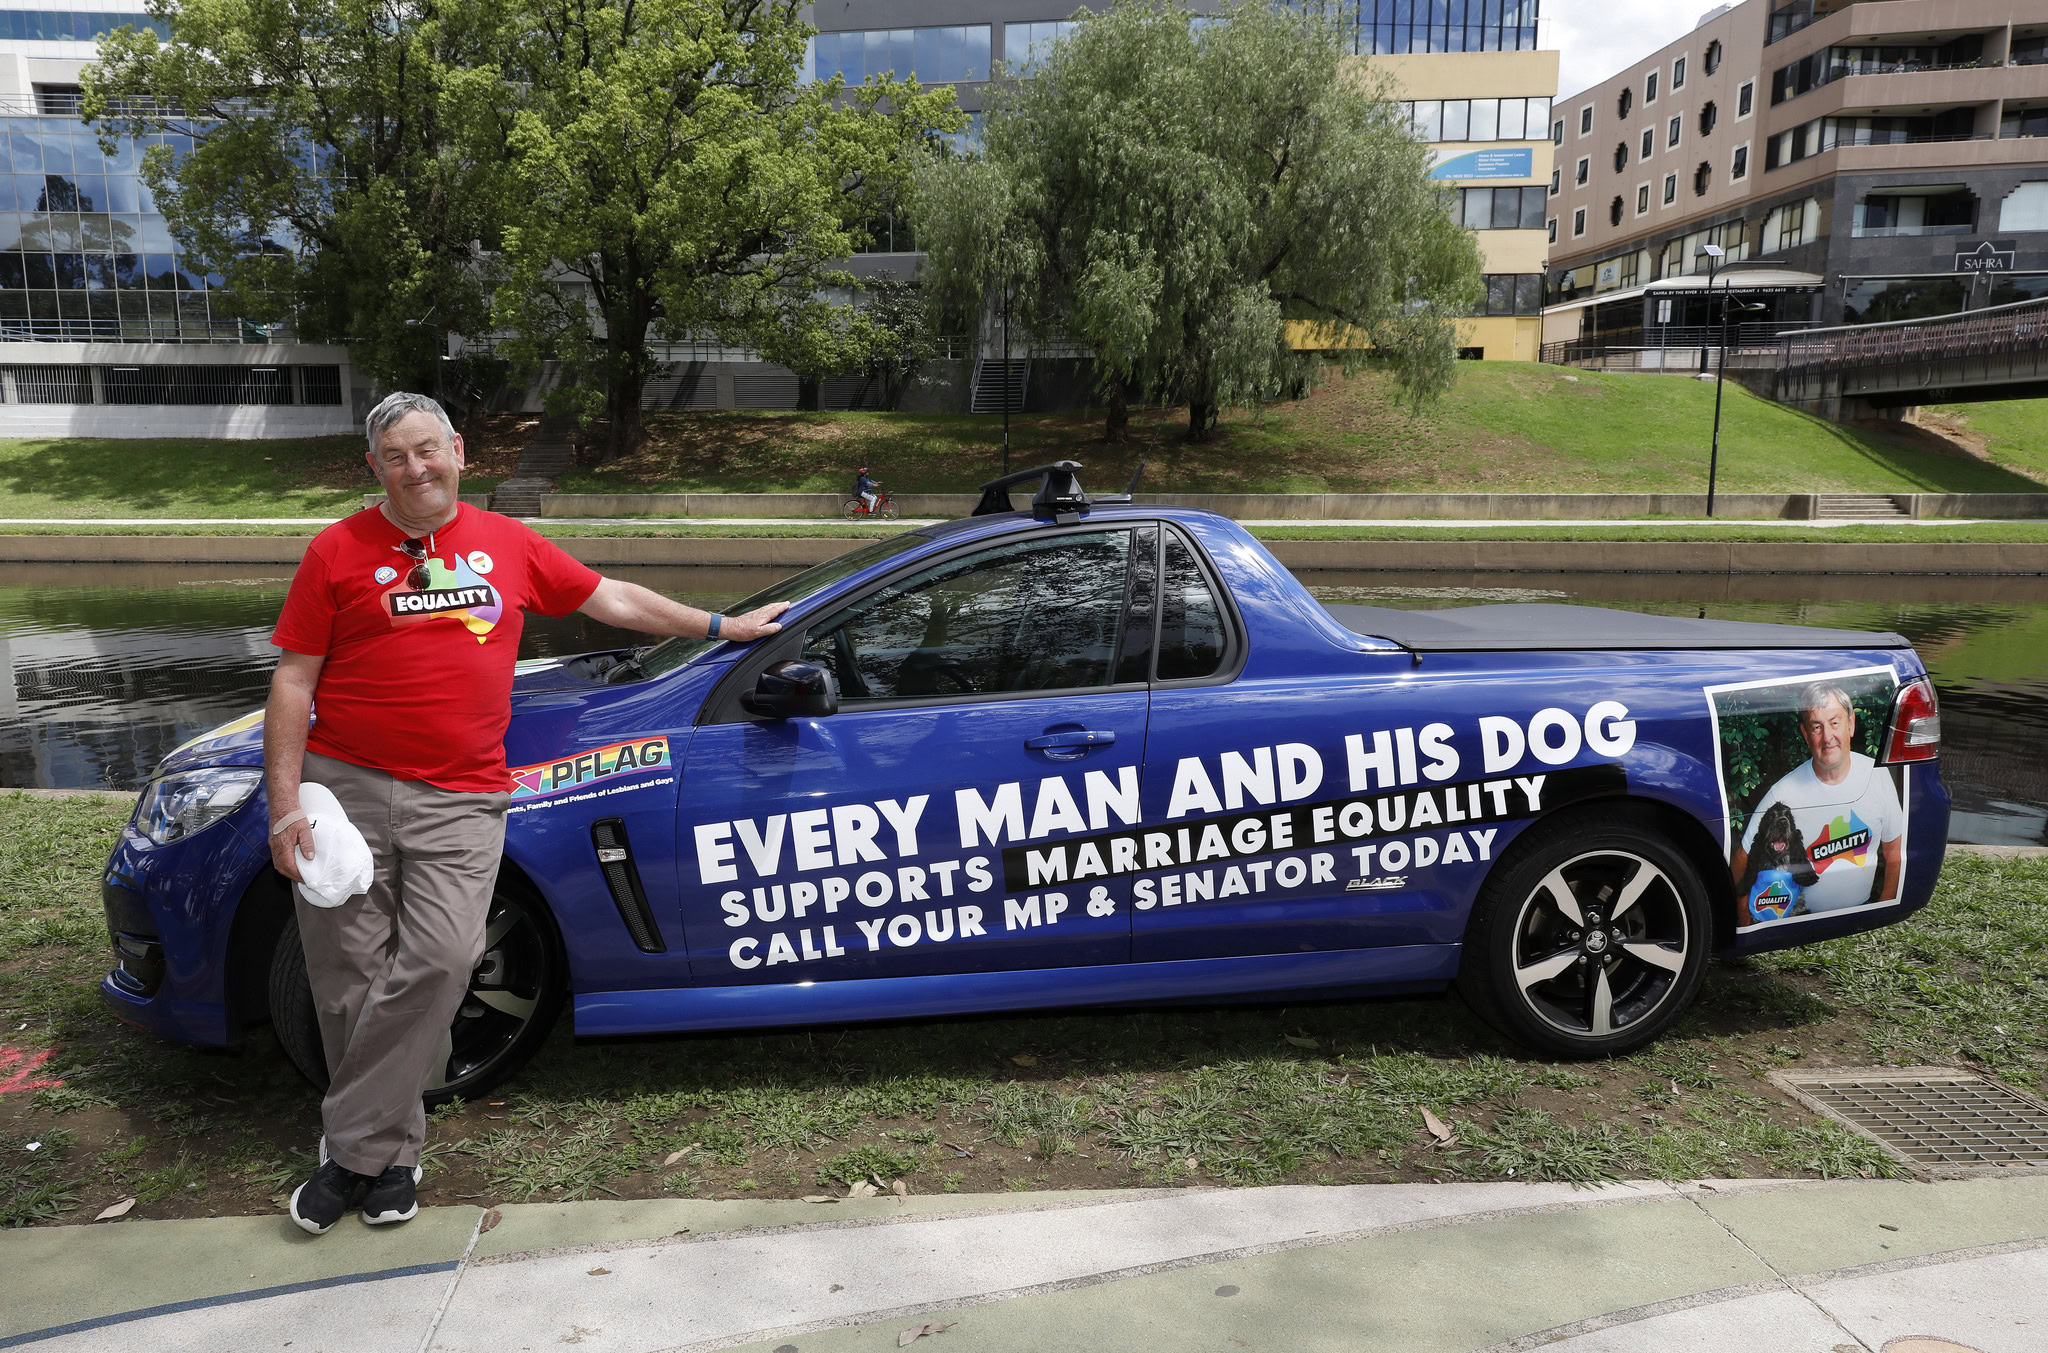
1401, 556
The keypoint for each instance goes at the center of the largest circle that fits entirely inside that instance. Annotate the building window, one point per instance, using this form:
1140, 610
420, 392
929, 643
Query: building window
1621, 157
1513, 294
1745, 99
1785, 228
1626, 103
1585, 169
1642, 199
1552, 225
1631, 269
1478, 119
933, 55
72, 26
1670, 189
1713, 56
1557, 132
1709, 115
2023, 122
1578, 222
2025, 207
1702, 179
1556, 180
1678, 74
1672, 134
1614, 210
1586, 119
1026, 45
1650, 87
1399, 27
1740, 168
1649, 143
1887, 215
1500, 208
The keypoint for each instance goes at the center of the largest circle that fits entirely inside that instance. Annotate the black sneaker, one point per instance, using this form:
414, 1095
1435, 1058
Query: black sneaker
392, 1196
319, 1202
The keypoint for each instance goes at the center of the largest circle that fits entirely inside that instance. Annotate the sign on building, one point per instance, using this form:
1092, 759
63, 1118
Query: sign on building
1990, 256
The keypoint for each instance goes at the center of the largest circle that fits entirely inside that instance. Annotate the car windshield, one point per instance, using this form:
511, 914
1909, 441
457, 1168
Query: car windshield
670, 654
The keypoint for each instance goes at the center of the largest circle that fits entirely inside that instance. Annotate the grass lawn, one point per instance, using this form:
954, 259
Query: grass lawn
1305, 1093
1504, 428
190, 477
1997, 533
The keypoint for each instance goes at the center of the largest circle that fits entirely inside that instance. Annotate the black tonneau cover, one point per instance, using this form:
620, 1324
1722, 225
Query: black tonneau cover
1521, 629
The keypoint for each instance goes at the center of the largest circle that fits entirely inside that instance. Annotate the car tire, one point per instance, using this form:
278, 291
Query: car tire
1590, 938
514, 995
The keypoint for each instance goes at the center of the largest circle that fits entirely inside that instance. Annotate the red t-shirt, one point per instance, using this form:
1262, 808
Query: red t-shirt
419, 684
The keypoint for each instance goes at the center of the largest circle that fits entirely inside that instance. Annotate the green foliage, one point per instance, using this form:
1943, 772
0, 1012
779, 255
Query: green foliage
667, 154
1173, 195
1761, 743
342, 198
869, 1163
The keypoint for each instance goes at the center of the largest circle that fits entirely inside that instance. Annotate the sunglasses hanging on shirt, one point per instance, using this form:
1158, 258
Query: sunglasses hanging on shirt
417, 550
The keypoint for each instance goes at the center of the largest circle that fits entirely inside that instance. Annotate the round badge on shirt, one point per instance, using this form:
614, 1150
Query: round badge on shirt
480, 561
386, 574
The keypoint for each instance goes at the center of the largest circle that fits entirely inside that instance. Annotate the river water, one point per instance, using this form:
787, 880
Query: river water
106, 667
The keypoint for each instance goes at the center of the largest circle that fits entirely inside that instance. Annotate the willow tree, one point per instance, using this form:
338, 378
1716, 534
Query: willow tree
1172, 193
327, 180
677, 174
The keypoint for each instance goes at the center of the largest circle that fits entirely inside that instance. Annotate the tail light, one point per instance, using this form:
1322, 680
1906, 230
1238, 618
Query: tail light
1916, 724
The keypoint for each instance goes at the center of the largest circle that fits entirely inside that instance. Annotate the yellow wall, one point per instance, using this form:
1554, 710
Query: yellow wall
1470, 75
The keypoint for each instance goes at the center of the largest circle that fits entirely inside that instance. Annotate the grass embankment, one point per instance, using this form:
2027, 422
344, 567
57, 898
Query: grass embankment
1989, 533
1503, 428
1308, 1093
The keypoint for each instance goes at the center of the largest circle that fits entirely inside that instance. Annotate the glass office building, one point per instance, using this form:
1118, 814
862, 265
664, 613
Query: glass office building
1408, 27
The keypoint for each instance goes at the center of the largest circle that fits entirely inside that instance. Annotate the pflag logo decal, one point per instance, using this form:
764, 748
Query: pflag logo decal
631, 757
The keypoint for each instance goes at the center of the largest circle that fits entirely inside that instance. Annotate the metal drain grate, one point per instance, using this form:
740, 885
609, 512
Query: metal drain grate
1938, 1120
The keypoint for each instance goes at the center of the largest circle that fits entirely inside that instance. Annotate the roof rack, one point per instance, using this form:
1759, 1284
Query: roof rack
1059, 497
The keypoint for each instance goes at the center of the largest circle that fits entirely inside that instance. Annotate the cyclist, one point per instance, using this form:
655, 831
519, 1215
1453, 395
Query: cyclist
864, 488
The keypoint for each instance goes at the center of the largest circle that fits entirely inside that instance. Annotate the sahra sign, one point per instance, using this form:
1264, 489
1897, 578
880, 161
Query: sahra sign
1519, 163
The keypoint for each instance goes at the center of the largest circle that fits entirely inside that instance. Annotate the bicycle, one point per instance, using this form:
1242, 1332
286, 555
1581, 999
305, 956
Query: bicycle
885, 507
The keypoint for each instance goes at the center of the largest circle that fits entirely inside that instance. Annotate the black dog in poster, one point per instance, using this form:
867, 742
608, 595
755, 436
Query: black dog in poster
1780, 849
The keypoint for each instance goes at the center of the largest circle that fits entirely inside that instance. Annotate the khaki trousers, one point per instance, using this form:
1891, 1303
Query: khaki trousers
389, 967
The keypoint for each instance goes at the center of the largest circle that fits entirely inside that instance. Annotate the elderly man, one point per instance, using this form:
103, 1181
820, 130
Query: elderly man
401, 628
1845, 806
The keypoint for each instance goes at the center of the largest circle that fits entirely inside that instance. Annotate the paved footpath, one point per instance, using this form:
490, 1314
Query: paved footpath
1416, 523
1754, 1267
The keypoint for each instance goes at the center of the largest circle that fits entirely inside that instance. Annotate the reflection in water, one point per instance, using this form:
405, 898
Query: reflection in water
105, 668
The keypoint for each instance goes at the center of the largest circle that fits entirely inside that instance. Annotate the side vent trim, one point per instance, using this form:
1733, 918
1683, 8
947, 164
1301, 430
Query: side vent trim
615, 862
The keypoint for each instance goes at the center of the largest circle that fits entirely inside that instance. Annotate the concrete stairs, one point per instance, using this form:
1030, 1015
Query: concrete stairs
1858, 507
550, 453
994, 379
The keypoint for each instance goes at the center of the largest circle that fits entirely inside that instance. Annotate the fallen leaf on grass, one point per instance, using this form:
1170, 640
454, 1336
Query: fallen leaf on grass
916, 1332
490, 1221
122, 1208
1026, 1059
958, 1150
1299, 1041
861, 1190
1440, 1133
1192, 1163
675, 1156
899, 1188
599, 1272
819, 1198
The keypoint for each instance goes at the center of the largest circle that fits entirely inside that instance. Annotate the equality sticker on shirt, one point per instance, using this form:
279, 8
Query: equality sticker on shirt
1814, 823
457, 593
632, 757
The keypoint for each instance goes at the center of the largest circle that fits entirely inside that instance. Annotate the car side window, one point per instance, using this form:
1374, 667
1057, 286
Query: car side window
1192, 637
1037, 615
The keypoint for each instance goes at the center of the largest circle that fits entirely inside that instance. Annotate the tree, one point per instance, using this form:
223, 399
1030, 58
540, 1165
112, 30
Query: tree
326, 180
676, 173
1173, 193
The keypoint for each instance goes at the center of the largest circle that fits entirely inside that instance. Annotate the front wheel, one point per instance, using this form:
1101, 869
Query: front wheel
1590, 939
514, 993
886, 509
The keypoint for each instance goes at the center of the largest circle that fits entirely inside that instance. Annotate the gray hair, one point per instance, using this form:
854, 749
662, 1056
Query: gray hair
1819, 693
397, 406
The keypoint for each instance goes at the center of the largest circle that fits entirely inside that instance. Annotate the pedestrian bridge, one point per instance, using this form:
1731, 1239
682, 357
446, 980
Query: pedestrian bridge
1853, 372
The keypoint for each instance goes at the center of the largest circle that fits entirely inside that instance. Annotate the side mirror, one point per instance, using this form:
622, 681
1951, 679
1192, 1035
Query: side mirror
793, 690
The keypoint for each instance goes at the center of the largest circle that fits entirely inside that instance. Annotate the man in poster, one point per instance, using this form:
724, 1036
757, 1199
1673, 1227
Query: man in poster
1846, 807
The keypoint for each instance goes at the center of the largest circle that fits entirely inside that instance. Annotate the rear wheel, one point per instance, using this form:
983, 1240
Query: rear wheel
851, 508
1590, 939
514, 993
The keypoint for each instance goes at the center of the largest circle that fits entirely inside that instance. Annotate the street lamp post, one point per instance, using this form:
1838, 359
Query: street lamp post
1714, 254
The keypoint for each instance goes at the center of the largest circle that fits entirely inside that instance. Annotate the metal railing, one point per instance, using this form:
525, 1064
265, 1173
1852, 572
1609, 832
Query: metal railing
1742, 338
131, 331
210, 385
1999, 330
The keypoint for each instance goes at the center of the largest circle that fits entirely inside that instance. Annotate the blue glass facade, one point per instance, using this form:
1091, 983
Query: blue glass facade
936, 56
84, 253
65, 25
1400, 27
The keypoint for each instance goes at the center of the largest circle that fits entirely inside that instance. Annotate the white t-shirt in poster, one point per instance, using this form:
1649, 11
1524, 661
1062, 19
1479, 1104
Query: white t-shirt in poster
1843, 826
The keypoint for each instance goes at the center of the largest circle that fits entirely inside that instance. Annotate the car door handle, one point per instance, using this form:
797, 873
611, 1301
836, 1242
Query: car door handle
1071, 743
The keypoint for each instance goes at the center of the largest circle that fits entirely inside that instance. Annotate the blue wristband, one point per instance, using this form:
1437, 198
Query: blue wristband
716, 622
